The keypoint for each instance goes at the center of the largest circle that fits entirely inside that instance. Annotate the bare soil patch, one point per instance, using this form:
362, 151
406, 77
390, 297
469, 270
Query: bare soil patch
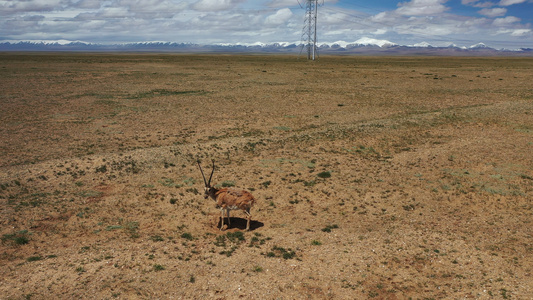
375, 177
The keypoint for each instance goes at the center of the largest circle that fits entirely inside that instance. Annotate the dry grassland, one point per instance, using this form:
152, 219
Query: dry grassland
376, 177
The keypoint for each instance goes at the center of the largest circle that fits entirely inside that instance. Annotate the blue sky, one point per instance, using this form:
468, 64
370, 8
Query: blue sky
496, 23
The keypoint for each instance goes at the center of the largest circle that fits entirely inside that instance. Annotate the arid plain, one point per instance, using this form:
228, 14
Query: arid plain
375, 177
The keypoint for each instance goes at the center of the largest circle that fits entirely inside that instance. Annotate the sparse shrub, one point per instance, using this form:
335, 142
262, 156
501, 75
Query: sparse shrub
220, 241
504, 293
281, 252
113, 227
101, 169
329, 228
21, 240
158, 267
525, 176
192, 190
409, 207
373, 294
187, 236
168, 182
168, 165
18, 238
229, 252
257, 269
289, 254
250, 146
325, 174
235, 236
132, 228
33, 258
255, 241
157, 238
266, 183
228, 183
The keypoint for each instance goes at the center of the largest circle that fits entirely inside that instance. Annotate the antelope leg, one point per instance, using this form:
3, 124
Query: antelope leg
221, 219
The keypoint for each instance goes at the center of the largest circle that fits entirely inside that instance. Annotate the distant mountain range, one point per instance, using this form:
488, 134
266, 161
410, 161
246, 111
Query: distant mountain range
364, 46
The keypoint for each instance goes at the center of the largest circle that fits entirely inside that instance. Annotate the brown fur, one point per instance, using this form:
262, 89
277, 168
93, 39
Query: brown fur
232, 199
228, 199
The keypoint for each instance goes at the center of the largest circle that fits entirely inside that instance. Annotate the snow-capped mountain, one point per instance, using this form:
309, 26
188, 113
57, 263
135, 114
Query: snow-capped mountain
479, 46
361, 46
360, 42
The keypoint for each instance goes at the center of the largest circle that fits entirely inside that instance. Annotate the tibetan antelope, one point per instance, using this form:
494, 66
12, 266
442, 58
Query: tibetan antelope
228, 198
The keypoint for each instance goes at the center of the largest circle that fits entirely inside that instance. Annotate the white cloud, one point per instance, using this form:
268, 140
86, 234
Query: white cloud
148, 9
380, 31
516, 32
28, 6
283, 3
381, 17
505, 21
426, 27
521, 32
293, 3
249, 21
422, 7
493, 12
280, 17
215, 5
88, 4
511, 2
477, 3
329, 18
115, 12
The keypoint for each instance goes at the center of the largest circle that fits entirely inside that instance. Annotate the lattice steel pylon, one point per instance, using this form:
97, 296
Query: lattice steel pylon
309, 30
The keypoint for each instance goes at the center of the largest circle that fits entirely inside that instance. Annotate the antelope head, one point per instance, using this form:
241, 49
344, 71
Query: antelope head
208, 189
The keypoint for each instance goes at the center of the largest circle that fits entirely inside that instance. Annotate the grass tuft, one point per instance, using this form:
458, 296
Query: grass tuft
18, 238
325, 174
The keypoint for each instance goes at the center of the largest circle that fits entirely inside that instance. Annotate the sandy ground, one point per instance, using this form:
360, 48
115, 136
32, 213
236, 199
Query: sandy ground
375, 177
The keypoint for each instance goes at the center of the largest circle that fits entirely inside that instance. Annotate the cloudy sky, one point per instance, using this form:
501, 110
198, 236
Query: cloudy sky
496, 23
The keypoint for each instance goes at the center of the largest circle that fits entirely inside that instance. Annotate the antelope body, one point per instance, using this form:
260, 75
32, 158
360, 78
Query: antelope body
228, 199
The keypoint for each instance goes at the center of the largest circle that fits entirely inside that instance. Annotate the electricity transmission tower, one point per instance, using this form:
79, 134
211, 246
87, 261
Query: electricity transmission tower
309, 30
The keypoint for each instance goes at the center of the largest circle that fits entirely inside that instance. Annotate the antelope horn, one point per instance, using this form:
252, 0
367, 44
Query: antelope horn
205, 182
213, 171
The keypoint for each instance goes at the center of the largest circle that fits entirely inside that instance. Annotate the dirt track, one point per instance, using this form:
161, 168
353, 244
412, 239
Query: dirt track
376, 177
